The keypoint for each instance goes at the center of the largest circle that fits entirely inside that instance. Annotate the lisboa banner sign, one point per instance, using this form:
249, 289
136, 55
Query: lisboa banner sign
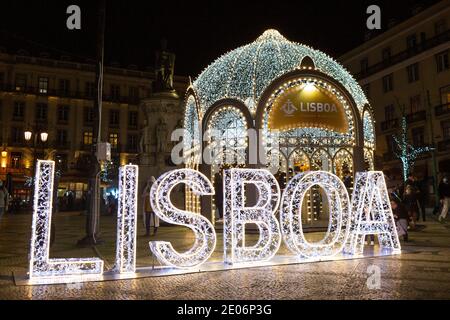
368, 212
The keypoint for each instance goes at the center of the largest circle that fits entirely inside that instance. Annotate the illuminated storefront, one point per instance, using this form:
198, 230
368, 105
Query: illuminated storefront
308, 111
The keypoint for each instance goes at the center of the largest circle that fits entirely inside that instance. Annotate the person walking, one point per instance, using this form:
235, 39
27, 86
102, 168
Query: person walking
150, 218
444, 193
4, 196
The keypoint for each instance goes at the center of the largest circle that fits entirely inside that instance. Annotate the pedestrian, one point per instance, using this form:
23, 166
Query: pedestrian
422, 196
401, 219
410, 199
150, 218
444, 194
4, 196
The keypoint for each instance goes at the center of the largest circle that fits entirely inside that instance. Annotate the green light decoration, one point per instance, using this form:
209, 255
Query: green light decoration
407, 153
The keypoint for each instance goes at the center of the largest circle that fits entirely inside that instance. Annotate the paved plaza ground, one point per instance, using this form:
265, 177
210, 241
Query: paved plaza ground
422, 271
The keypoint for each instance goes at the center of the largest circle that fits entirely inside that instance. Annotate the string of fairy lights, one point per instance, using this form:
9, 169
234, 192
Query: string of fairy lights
245, 72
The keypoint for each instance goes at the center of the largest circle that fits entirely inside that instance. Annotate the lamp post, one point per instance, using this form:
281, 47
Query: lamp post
38, 135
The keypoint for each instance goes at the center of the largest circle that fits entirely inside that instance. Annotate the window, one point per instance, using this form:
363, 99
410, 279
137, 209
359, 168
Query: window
418, 136
413, 72
132, 142
61, 137
388, 83
445, 129
64, 87
442, 61
61, 161
19, 110
16, 160
90, 89
2, 79
389, 112
21, 82
87, 138
386, 54
364, 65
16, 135
41, 112
411, 42
43, 85
114, 116
114, 140
423, 38
63, 113
133, 93
415, 103
440, 27
445, 94
88, 115
115, 92
133, 119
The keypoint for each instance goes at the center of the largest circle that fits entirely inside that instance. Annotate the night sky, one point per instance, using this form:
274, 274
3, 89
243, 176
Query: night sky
198, 32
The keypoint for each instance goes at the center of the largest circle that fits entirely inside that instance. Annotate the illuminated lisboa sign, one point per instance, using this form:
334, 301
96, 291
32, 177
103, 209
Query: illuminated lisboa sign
368, 212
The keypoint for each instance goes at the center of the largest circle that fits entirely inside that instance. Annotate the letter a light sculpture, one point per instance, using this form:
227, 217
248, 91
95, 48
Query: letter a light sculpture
372, 214
42, 268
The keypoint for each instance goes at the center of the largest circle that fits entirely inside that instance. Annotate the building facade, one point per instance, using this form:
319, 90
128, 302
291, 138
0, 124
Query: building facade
405, 71
56, 96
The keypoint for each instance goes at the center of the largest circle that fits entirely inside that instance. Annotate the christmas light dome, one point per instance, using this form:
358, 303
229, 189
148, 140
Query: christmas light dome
245, 72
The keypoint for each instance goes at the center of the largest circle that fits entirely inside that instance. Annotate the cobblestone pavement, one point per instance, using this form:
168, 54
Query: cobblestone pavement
422, 271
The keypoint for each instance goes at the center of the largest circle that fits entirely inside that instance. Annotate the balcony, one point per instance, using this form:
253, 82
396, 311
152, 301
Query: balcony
416, 116
64, 145
85, 146
389, 124
406, 54
444, 145
68, 94
443, 109
17, 143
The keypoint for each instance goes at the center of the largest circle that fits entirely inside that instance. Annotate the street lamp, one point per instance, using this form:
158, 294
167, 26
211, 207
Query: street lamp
28, 135
44, 136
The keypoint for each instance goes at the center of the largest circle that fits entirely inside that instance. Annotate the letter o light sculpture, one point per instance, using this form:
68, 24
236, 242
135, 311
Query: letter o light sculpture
290, 215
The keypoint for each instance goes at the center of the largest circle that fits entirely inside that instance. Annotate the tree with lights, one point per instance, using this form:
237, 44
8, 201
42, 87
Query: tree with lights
407, 153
